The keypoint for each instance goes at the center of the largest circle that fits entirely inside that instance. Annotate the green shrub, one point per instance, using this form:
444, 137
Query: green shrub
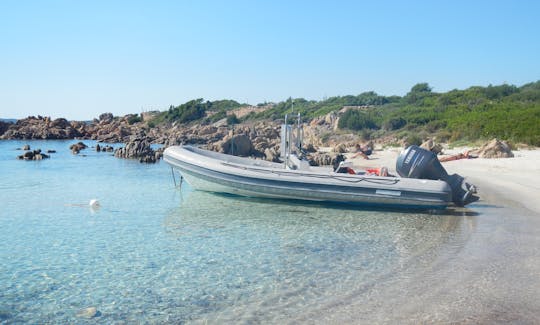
232, 119
190, 111
413, 139
218, 116
356, 120
132, 119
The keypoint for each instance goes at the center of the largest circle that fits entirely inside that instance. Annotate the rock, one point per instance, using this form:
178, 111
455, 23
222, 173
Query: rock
29, 155
51, 151
106, 117
105, 148
330, 118
271, 155
148, 159
238, 145
309, 148
206, 130
4, 127
137, 148
325, 159
432, 146
159, 153
495, 149
75, 148
42, 128
89, 312
26, 147
60, 123
33, 155
340, 148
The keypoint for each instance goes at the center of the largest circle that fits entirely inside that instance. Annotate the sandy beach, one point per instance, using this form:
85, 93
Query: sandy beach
515, 180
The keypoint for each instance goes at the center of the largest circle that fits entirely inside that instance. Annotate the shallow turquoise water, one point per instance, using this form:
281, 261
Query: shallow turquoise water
154, 253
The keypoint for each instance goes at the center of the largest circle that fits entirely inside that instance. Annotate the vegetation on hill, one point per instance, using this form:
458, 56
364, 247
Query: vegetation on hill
196, 109
504, 111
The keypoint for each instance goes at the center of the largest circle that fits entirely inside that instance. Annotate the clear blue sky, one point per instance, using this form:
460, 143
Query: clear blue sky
77, 59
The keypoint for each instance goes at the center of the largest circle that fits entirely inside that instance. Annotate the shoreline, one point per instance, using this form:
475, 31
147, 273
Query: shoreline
516, 179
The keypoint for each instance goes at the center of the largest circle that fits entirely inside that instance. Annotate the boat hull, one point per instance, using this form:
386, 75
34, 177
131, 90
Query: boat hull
240, 176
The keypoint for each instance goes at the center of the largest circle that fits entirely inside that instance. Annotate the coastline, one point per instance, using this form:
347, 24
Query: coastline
268, 263
516, 179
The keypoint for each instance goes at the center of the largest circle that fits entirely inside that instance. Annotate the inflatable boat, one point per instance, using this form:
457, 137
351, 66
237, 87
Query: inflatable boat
216, 172
422, 183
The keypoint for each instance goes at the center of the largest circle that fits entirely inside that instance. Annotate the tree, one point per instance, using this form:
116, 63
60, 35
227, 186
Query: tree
356, 120
232, 119
190, 111
418, 92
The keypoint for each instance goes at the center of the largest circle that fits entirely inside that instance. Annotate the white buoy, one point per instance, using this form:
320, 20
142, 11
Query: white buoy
94, 203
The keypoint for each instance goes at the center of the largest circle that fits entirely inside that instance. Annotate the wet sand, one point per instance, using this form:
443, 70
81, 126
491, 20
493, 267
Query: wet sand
493, 278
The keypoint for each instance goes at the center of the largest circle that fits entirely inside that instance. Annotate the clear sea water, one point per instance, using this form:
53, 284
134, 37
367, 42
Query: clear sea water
154, 253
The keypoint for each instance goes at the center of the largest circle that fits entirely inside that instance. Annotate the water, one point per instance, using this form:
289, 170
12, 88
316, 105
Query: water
156, 254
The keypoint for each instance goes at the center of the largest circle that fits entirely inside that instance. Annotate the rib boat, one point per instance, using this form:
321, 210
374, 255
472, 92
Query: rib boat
423, 183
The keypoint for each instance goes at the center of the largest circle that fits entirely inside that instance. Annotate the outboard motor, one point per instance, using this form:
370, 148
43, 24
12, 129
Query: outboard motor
416, 162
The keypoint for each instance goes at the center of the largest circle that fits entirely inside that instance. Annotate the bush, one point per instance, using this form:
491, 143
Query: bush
132, 119
356, 120
394, 123
232, 119
218, 116
413, 139
190, 111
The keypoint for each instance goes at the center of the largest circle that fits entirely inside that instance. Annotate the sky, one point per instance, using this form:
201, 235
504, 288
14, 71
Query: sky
78, 59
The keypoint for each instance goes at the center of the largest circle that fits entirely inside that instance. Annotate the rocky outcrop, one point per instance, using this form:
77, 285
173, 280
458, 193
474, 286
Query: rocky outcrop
33, 155
259, 139
106, 148
4, 127
325, 159
77, 147
495, 149
432, 146
43, 128
271, 154
239, 145
106, 117
340, 148
137, 148
107, 128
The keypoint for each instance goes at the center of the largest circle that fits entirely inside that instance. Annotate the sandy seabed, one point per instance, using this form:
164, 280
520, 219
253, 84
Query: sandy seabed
494, 278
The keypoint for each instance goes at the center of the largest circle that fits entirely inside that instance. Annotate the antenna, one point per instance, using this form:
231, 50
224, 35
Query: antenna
298, 134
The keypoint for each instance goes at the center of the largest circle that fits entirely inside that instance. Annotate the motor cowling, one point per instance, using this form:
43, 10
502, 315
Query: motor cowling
416, 162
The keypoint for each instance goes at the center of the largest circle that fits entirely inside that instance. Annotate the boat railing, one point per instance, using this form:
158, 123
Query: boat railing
292, 136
